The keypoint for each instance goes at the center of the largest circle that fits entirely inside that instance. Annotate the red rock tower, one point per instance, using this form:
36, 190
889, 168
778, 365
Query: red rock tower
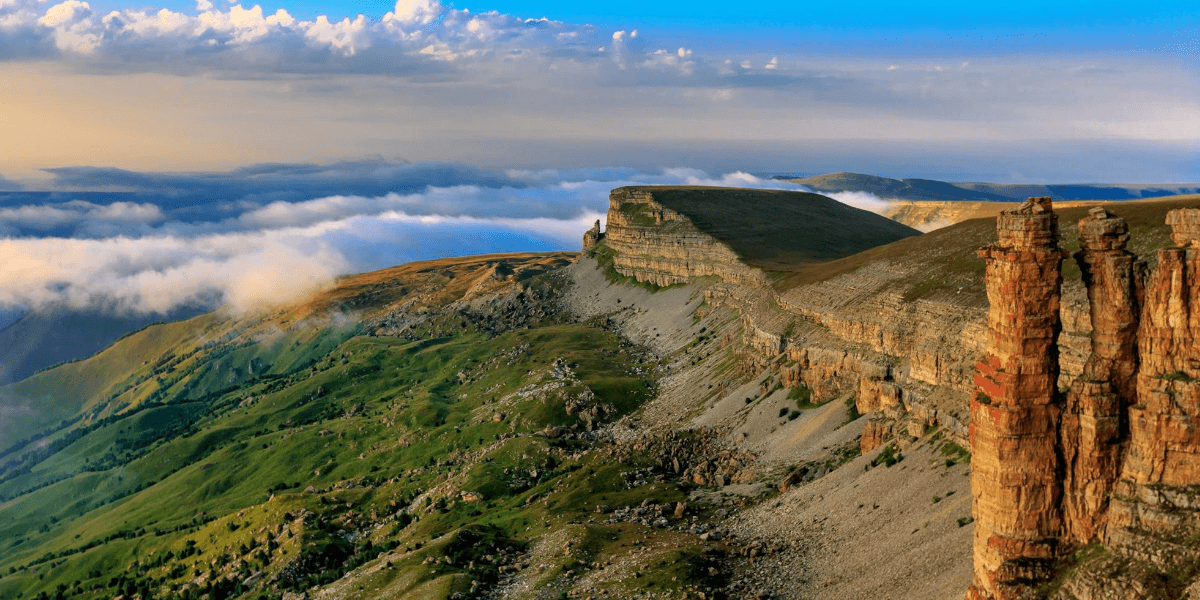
1015, 412
1094, 418
1157, 494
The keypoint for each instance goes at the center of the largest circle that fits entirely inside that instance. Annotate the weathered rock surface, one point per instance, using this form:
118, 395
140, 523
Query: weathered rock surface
1129, 436
1156, 501
656, 244
1014, 414
592, 237
1093, 418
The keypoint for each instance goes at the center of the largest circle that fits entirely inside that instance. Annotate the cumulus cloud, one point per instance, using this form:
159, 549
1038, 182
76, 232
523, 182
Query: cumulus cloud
151, 255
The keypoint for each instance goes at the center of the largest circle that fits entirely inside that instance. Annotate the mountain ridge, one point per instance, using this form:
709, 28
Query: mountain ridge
930, 189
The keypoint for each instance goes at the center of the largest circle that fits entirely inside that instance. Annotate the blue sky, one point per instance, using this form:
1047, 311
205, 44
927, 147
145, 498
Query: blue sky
957, 90
1079, 25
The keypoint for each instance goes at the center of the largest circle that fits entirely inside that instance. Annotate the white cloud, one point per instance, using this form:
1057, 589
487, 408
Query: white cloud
153, 261
420, 12
118, 216
346, 36
72, 26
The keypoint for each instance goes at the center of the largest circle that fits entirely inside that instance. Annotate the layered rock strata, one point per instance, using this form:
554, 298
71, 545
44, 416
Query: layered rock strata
1156, 500
659, 245
592, 237
1015, 411
1094, 416
1121, 466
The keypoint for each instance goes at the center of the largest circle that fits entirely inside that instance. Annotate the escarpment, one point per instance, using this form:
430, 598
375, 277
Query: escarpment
659, 245
907, 360
1088, 492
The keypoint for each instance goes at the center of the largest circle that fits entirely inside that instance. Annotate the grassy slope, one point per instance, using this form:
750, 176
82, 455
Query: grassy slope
219, 479
948, 261
53, 335
766, 227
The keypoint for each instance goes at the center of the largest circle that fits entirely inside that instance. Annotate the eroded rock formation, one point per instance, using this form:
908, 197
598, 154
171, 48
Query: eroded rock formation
657, 244
1156, 504
592, 236
1015, 411
1120, 466
1093, 419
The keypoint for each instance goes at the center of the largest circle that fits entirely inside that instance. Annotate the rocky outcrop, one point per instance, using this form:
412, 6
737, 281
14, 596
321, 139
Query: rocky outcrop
592, 237
659, 245
1015, 411
1093, 419
1121, 467
1156, 502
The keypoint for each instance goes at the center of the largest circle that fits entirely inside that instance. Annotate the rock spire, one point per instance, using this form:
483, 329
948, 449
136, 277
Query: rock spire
1015, 411
1115, 459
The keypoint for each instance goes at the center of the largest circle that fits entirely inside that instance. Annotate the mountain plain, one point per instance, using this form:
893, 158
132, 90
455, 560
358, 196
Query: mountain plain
728, 394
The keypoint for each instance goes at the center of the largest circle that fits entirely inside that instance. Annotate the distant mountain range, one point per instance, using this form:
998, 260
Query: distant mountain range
930, 189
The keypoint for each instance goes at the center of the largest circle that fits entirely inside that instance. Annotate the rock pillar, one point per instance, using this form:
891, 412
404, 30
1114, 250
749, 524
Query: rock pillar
592, 236
1158, 491
1093, 424
1015, 463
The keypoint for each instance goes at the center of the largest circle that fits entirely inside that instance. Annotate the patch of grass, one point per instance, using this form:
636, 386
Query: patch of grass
852, 413
1176, 376
889, 456
802, 395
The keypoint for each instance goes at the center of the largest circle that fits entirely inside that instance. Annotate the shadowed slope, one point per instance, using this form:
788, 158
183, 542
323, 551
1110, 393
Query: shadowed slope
946, 259
778, 230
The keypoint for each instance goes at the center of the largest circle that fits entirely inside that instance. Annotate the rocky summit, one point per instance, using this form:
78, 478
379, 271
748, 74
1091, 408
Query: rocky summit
729, 393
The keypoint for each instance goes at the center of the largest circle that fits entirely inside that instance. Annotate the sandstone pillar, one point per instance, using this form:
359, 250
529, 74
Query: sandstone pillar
1014, 415
592, 236
1157, 493
1093, 420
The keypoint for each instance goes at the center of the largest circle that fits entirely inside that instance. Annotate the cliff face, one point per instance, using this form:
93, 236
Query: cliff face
1156, 502
659, 245
1082, 416
1115, 460
910, 361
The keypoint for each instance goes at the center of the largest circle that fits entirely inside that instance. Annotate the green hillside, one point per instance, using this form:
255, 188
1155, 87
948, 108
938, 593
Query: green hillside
54, 334
945, 261
409, 448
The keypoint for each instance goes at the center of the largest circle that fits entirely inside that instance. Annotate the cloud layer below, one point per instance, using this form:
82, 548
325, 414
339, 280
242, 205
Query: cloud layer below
246, 248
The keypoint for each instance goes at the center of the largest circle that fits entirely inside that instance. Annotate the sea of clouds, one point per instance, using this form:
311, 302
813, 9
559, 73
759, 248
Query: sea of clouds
266, 234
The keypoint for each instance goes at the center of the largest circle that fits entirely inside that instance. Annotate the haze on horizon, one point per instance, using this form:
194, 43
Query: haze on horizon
270, 148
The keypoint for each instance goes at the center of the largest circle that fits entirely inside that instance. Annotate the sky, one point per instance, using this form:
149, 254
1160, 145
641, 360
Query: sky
159, 152
962, 90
